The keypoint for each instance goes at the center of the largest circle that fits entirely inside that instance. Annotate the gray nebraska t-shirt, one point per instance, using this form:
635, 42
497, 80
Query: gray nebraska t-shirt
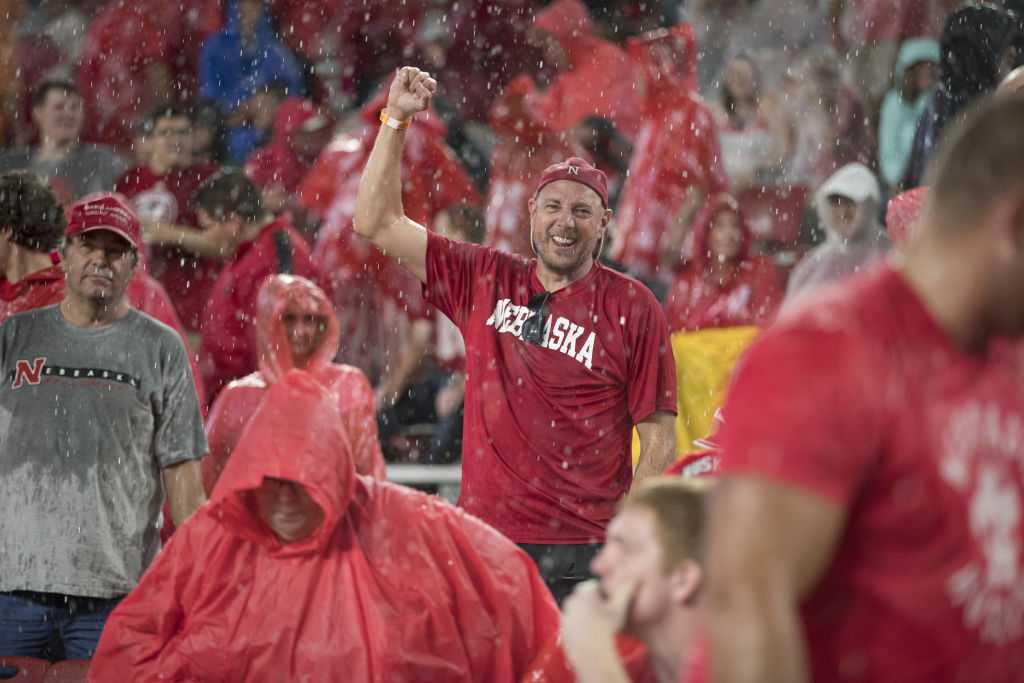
88, 418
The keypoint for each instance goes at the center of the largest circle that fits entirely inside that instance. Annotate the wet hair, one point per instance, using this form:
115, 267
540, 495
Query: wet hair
979, 160
42, 90
679, 506
167, 110
206, 114
229, 192
30, 212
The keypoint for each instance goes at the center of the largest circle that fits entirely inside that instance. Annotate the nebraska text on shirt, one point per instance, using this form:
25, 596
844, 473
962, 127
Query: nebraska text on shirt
564, 335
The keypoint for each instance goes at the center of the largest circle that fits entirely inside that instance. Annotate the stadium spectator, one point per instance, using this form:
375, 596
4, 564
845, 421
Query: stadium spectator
301, 569
592, 75
526, 145
677, 162
295, 328
638, 620
540, 463
255, 246
903, 106
301, 131
101, 418
847, 205
888, 481
722, 284
239, 68
378, 301
208, 131
754, 136
972, 46
72, 169
161, 193
137, 54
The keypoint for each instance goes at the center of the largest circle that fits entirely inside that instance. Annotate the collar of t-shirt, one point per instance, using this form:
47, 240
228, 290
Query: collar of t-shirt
573, 288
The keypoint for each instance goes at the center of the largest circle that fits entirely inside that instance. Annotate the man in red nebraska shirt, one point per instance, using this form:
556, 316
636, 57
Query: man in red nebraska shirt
255, 246
563, 356
870, 521
161, 194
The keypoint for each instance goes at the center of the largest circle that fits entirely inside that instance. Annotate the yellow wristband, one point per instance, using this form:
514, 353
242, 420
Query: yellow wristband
393, 123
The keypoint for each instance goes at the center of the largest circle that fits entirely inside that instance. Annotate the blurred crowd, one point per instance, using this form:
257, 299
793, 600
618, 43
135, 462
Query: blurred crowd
750, 146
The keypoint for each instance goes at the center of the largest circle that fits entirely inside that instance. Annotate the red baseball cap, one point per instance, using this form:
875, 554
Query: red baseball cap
105, 211
577, 170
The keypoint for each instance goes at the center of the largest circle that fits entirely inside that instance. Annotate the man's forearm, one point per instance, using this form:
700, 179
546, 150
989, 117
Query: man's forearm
657, 446
184, 483
755, 639
379, 199
196, 242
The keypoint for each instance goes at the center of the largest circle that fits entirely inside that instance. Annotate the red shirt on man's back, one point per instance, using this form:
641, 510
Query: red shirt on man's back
864, 401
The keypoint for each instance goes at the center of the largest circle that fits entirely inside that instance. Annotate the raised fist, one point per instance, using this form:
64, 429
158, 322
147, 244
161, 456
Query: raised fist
410, 92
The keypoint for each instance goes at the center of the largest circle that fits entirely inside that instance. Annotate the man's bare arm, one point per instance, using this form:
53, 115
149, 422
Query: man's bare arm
769, 545
657, 445
184, 483
379, 214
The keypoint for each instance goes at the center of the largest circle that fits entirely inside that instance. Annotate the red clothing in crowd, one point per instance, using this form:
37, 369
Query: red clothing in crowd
902, 213
393, 585
347, 385
750, 297
599, 80
227, 330
918, 443
526, 146
167, 198
547, 428
371, 292
277, 163
677, 148
126, 39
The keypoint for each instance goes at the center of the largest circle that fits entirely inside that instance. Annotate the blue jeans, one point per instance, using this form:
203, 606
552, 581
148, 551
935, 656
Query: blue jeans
50, 625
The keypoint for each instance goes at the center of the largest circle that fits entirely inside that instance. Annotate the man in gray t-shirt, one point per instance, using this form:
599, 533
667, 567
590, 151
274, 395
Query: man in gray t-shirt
98, 417
71, 169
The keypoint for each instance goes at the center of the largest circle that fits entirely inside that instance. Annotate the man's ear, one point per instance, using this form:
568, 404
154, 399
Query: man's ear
531, 203
685, 583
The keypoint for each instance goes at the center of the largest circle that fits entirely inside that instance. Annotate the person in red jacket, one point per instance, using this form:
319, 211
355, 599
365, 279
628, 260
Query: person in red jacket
594, 77
723, 284
301, 569
161, 193
677, 161
301, 131
377, 301
256, 246
295, 328
638, 621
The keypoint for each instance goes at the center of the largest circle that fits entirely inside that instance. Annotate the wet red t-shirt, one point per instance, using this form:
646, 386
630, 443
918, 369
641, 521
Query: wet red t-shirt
547, 429
865, 402
167, 198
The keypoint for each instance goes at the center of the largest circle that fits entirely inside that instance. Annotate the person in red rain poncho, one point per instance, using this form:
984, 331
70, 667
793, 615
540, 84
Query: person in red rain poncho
676, 162
256, 245
527, 144
595, 77
301, 130
372, 295
723, 284
300, 569
295, 328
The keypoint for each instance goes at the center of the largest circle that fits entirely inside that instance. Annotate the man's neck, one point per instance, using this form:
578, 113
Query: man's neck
90, 313
553, 281
23, 262
943, 274
51, 149
159, 167
668, 645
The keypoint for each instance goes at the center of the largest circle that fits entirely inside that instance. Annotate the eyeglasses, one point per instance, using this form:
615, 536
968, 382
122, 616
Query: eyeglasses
533, 327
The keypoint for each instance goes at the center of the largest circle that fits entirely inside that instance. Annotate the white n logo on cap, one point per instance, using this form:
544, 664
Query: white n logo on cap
574, 170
